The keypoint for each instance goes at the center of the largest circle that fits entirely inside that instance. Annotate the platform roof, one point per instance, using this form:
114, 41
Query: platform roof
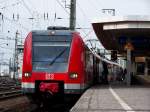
113, 32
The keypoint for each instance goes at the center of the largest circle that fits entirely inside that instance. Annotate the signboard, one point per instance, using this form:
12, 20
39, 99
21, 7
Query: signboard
140, 59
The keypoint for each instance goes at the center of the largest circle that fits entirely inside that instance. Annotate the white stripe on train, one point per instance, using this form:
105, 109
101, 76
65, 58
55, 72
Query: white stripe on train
66, 86
28, 85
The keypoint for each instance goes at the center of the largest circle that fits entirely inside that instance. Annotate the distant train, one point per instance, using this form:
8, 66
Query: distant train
57, 62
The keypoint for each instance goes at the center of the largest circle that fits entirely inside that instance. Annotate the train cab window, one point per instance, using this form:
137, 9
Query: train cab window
50, 56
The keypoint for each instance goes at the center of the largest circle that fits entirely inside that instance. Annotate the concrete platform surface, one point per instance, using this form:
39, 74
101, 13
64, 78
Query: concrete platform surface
114, 99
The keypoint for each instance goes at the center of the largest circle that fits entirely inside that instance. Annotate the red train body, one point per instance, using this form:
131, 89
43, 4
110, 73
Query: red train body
56, 61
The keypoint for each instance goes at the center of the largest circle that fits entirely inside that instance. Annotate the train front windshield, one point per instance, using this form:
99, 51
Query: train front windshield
50, 56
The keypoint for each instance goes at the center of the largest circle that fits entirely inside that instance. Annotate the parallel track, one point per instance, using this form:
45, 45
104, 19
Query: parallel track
10, 94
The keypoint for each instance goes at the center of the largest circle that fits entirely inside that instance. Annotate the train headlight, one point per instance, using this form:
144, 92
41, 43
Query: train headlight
27, 74
73, 75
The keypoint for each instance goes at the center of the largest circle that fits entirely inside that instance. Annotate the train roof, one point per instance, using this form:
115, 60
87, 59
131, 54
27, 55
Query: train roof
52, 32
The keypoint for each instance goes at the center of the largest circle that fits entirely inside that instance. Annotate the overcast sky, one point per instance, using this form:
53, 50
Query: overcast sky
87, 10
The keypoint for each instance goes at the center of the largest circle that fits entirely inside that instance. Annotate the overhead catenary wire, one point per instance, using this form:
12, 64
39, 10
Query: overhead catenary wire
62, 6
88, 34
11, 5
31, 3
94, 6
16, 23
82, 11
13, 15
26, 6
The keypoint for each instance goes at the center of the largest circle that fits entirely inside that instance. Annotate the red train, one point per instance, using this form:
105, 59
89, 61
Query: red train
57, 62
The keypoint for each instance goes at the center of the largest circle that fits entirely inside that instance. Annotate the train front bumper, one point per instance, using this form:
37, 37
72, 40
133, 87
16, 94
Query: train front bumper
69, 88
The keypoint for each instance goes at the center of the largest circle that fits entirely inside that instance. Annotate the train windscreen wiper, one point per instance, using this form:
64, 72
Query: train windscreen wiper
62, 52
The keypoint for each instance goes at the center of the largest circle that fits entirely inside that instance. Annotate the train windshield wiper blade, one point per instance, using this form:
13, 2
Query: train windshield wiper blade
62, 52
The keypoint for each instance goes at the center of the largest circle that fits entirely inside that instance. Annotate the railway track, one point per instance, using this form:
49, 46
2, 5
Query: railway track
10, 94
6, 88
9, 88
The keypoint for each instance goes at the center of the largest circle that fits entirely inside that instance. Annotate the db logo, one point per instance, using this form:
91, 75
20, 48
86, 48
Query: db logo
49, 76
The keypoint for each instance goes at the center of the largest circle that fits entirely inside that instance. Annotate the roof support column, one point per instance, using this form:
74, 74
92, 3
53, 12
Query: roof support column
146, 68
128, 75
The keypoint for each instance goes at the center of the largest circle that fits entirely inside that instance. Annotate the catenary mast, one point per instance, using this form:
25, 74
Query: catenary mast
72, 14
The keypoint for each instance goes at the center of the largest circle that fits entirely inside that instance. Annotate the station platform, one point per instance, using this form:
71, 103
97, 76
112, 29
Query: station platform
114, 98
